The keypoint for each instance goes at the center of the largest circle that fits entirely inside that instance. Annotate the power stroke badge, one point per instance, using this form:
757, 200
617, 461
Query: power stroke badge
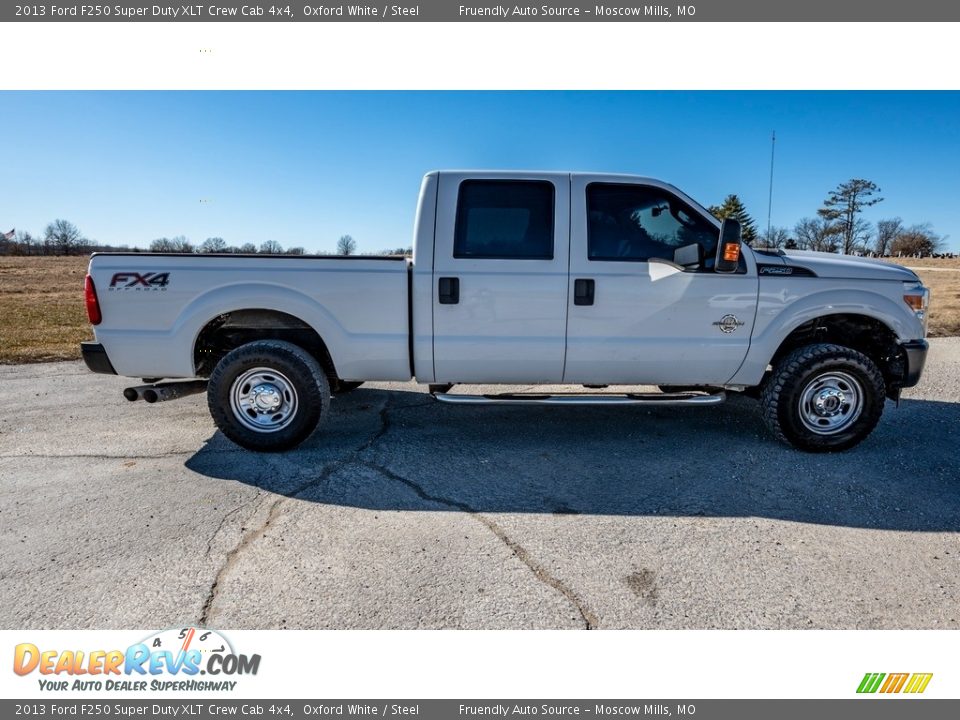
728, 323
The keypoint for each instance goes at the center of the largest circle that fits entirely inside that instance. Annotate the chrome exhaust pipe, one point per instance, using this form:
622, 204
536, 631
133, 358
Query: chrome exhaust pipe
161, 392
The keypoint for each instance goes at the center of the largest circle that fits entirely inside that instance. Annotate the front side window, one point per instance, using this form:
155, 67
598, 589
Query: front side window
637, 222
505, 219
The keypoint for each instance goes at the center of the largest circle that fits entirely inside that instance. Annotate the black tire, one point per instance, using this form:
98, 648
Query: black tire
823, 398
287, 375
343, 387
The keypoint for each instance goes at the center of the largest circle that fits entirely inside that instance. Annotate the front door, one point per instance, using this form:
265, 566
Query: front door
500, 277
647, 322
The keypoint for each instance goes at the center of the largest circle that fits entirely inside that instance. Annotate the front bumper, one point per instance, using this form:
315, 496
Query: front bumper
915, 352
95, 356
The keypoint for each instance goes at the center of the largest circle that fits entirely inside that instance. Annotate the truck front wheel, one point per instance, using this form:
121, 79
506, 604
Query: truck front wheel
268, 395
823, 398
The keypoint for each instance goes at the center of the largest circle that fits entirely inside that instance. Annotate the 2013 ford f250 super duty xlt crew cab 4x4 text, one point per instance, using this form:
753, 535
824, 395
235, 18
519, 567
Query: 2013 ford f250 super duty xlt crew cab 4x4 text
521, 277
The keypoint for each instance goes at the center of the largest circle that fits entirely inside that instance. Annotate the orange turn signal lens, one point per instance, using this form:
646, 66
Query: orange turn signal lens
914, 301
731, 252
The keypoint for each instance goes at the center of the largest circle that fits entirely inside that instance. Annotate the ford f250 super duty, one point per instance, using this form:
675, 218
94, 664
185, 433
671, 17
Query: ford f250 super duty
521, 277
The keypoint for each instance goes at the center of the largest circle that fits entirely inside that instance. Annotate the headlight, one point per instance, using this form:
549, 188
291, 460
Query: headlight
917, 298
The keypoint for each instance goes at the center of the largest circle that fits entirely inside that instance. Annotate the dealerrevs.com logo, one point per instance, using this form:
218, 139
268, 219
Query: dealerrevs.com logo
910, 683
179, 659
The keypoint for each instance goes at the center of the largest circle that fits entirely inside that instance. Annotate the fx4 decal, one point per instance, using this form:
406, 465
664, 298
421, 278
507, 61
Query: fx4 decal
138, 281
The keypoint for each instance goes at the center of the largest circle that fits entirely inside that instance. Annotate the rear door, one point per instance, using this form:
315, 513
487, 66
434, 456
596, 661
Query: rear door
500, 277
644, 321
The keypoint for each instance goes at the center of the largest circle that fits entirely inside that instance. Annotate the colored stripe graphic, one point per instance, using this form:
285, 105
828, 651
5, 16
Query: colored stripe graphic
894, 682
918, 683
870, 682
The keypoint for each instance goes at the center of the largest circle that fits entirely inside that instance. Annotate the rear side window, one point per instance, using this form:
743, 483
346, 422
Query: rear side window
504, 219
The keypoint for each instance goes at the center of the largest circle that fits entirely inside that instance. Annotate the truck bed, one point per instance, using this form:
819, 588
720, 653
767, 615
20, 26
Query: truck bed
155, 305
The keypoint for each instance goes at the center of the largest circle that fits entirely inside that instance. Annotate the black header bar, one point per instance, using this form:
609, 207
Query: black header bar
214, 707
454, 11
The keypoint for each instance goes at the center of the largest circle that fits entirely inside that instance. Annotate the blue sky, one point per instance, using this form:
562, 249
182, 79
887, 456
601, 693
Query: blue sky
304, 168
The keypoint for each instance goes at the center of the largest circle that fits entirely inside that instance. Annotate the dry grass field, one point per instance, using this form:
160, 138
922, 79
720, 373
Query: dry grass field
41, 305
942, 276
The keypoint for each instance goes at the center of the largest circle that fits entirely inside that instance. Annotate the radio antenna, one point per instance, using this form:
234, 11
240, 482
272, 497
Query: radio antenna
773, 148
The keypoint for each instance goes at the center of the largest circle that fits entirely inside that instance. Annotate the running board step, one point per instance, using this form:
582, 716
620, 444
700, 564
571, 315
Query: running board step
585, 399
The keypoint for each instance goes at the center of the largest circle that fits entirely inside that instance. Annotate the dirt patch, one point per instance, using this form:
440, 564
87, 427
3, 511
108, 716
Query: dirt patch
644, 585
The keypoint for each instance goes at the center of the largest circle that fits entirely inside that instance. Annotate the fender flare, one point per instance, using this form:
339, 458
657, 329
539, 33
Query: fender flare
198, 313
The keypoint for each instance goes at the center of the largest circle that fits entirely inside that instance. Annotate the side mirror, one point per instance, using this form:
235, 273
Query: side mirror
728, 250
689, 257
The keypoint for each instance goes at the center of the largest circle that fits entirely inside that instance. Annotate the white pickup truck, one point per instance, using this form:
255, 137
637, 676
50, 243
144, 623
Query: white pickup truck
527, 278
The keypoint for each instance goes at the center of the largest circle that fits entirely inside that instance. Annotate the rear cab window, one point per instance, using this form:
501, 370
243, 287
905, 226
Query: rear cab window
505, 219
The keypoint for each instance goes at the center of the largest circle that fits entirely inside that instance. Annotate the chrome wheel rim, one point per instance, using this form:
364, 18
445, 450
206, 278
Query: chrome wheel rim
830, 403
263, 400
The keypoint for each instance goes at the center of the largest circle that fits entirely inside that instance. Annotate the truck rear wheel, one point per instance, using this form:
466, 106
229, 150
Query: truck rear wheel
268, 395
823, 398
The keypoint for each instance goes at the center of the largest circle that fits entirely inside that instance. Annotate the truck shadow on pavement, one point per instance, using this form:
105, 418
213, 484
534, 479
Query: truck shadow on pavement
401, 451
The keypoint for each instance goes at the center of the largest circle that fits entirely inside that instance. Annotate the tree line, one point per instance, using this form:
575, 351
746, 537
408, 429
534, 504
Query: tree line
62, 237
839, 226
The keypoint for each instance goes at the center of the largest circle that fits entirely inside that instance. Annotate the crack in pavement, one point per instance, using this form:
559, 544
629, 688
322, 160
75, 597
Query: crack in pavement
231, 558
541, 573
229, 514
588, 617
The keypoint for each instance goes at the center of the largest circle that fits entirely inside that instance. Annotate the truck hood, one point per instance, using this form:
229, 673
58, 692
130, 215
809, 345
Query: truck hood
842, 266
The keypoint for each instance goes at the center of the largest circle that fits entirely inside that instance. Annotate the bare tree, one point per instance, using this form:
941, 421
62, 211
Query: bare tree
916, 240
843, 207
23, 243
775, 238
213, 245
816, 234
887, 231
62, 237
271, 247
346, 245
27, 243
179, 244
182, 245
295, 251
248, 248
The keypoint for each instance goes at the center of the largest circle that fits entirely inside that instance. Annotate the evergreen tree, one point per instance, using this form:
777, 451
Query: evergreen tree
842, 208
733, 207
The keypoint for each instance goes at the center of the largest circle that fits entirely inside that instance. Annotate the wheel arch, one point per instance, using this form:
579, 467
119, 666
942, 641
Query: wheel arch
782, 316
862, 332
257, 311
230, 330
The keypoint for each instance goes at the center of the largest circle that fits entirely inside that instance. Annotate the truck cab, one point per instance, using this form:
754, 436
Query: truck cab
579, 279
